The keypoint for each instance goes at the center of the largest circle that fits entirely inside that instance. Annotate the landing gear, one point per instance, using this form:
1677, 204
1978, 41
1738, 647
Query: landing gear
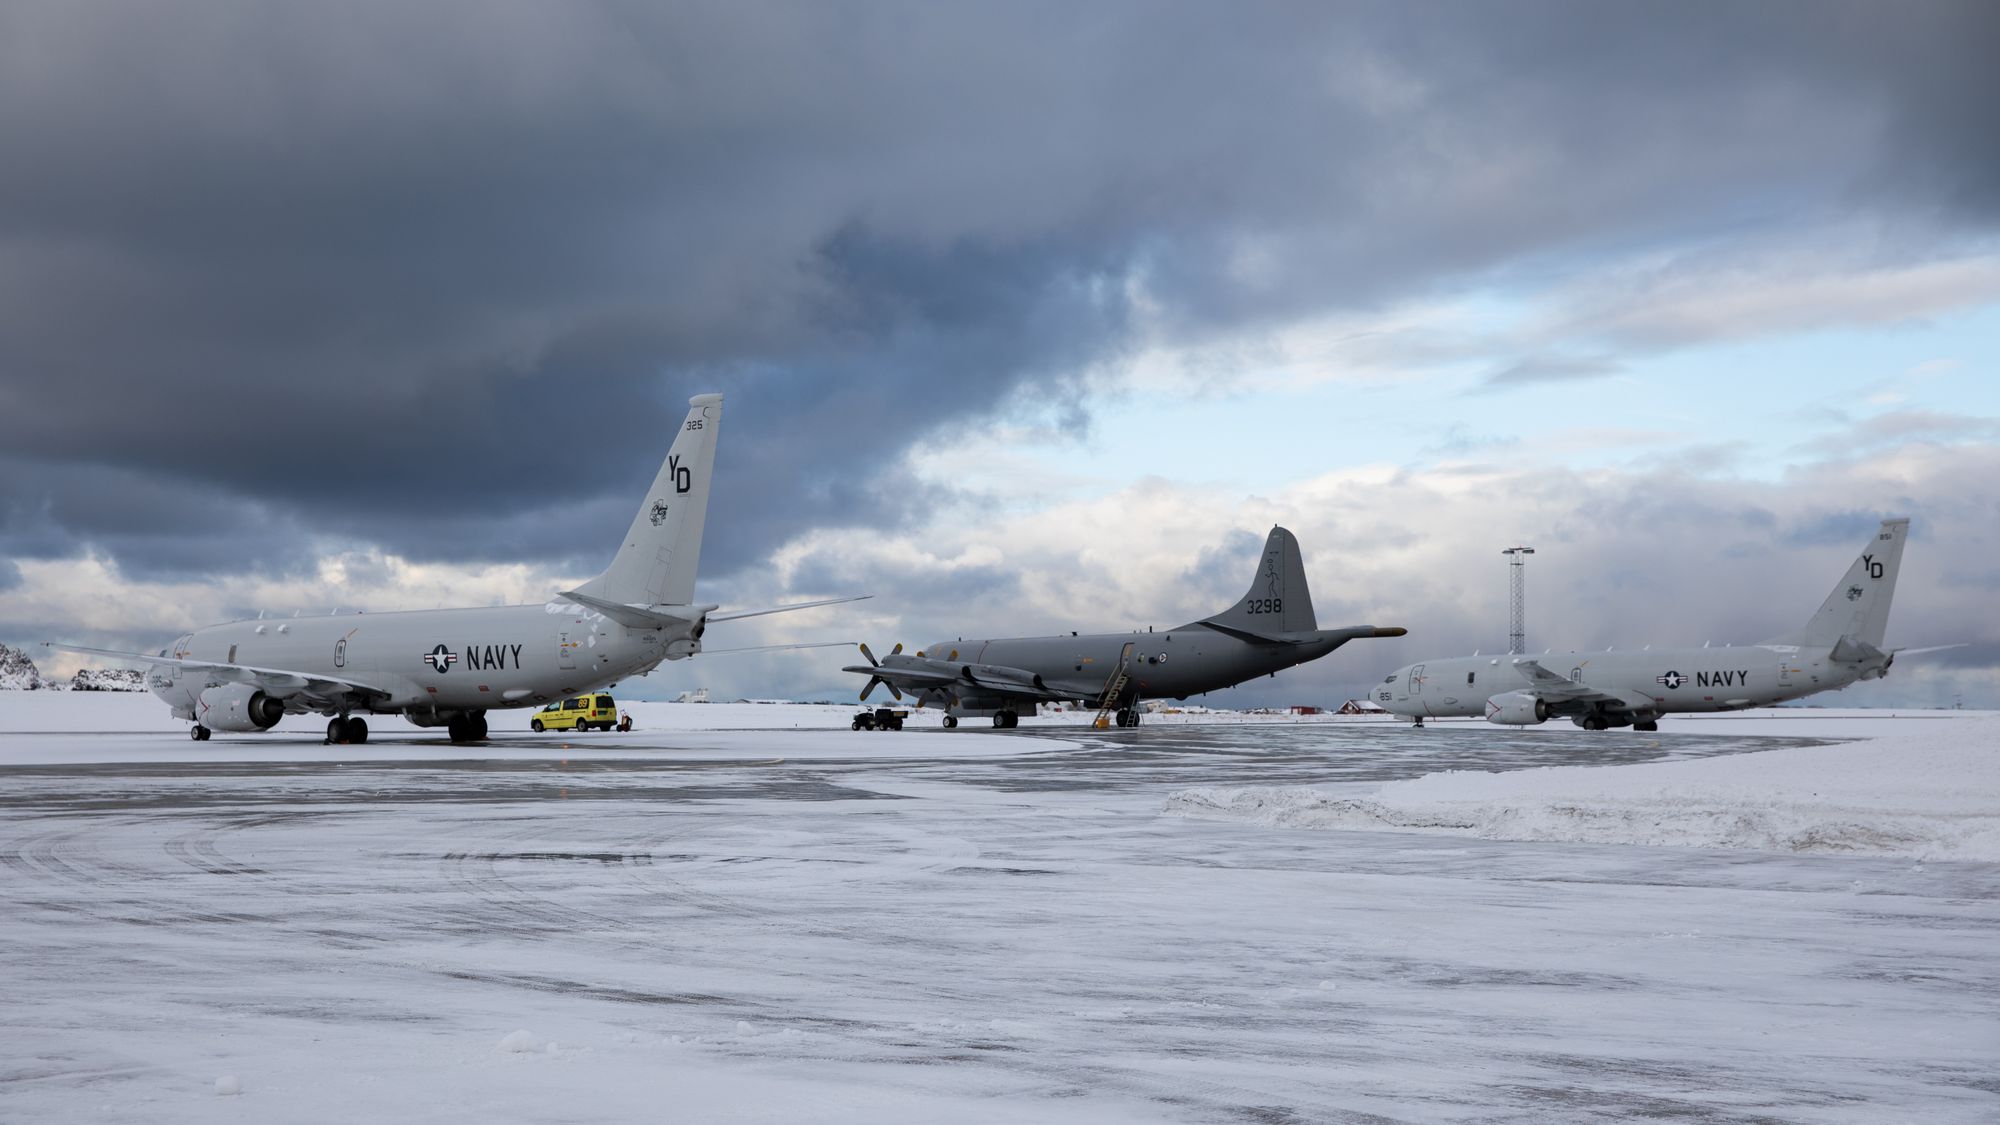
468, 728
1127, 717
199, 733
950, 722
1006, 720
1647, 727
1595, 722
1418, 723
343, 729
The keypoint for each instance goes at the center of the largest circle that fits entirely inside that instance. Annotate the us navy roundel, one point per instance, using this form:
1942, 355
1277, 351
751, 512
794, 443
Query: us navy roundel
1672, 680
441, 658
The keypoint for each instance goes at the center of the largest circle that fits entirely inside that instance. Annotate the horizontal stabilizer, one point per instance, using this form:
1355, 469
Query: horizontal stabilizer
638, 616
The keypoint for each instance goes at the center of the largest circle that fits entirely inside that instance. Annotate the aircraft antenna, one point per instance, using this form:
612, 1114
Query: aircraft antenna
1517, 629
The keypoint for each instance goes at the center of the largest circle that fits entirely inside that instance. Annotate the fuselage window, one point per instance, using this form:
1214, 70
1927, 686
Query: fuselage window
1468, 679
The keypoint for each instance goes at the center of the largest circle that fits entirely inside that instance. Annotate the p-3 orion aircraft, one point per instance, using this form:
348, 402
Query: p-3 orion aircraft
1271, 628
449, 667
1839, 645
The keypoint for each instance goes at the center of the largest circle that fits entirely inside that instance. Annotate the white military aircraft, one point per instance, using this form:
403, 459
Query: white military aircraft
1839, 645
449, 667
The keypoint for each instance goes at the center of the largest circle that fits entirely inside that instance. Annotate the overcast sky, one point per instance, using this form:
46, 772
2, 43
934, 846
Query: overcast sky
1031, 317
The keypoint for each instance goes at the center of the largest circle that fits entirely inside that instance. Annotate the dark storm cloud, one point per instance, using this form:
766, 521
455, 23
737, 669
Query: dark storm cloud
441, 277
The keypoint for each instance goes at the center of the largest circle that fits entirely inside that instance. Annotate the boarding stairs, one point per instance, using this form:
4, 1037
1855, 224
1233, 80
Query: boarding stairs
1114, 690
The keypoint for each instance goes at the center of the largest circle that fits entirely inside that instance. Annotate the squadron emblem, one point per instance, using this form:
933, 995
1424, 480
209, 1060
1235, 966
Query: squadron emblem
1854, 593
659, 515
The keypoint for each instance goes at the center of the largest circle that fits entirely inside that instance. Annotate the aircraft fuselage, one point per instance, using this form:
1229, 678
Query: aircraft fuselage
1169, 665
431, 661
1670, 679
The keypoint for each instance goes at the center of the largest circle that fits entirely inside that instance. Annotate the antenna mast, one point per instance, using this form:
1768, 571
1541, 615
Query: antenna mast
1517, 633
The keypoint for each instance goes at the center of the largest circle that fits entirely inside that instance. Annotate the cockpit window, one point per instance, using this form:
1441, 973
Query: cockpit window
1390, 678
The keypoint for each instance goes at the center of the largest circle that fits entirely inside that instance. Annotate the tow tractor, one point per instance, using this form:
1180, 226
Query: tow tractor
881, 718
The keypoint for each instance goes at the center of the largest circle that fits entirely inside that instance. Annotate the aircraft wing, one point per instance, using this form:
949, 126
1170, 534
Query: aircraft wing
1562, 689
1565, 696
787, 608
982, 680
909, 678
309, 688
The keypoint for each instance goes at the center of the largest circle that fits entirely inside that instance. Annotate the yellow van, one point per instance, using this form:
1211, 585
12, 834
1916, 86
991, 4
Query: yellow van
580, 714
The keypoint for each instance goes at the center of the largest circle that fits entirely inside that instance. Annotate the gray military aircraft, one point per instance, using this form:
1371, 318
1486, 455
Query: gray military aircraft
449, 667
1271, 628
1839, 645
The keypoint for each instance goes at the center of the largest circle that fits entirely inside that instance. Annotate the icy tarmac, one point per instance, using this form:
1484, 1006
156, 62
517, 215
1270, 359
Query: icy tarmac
788, 925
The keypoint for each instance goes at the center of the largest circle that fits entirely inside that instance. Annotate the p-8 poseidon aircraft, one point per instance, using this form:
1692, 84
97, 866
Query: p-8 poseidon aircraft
1270, 629
449, 667
1839, 645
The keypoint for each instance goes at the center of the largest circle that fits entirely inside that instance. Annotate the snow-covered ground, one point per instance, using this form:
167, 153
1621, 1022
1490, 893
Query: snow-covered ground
1932, 793
808, 923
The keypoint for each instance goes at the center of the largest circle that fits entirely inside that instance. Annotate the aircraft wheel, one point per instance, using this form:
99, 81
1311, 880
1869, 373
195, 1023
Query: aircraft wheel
334, 731
1647, 727
357, 730
1594, 723
479, 728
950, 721
999, 720
535, 725
198, 732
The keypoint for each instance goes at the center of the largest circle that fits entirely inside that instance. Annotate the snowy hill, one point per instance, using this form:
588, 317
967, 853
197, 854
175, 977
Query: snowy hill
108, 679
18, 673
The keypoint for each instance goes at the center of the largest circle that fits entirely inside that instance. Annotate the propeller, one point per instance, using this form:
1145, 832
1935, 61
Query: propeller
873, 680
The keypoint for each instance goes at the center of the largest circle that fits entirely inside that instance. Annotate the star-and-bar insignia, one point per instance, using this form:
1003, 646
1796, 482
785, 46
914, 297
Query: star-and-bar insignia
1672, 680
441, 658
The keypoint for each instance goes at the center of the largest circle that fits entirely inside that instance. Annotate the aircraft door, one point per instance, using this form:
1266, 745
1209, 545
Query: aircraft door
1417, 680
565, 650
1784, 673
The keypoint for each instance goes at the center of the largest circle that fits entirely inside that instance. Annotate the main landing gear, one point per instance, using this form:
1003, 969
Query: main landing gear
1647, 727
470, 728
343, 729
950, 722
199, 733
1127, 717
1006, 720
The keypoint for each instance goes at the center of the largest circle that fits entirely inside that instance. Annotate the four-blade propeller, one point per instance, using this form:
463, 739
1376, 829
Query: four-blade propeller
873, 680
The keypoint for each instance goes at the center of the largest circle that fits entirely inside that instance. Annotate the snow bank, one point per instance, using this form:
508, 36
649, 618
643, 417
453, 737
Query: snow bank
1932, 793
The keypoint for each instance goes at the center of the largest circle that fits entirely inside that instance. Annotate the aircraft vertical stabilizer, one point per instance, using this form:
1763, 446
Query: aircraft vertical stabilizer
656, 563
1278, 601
1858, 607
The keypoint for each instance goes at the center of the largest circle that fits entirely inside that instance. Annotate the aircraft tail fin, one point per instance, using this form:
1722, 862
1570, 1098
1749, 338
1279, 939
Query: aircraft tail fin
1858, 607
656, 563
1278, 601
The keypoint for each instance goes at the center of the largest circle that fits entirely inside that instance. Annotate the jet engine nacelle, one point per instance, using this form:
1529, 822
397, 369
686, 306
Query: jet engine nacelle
239, 707
1517, 709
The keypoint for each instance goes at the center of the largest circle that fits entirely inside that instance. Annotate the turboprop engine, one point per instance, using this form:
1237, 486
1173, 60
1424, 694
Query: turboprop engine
1517, 709
240, 708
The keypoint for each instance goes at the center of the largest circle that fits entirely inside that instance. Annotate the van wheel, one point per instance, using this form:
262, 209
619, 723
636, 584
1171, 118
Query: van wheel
535, 725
